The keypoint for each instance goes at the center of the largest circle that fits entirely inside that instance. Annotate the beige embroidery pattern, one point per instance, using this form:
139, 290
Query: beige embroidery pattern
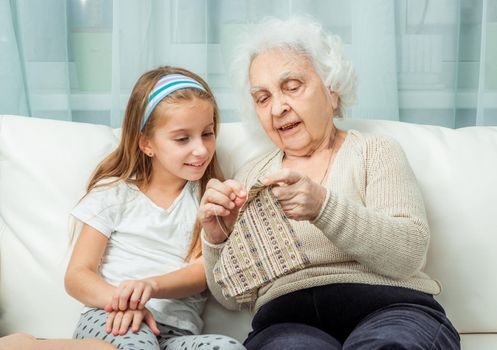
262, 247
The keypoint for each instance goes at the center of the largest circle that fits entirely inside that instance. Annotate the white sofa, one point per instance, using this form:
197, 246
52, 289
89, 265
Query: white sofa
44, 166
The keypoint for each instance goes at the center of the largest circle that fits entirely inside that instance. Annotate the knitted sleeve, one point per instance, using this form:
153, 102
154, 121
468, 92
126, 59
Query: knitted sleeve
389, 234
211, 254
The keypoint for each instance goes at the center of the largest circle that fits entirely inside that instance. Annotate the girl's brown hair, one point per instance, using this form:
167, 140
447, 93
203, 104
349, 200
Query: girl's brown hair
128, 162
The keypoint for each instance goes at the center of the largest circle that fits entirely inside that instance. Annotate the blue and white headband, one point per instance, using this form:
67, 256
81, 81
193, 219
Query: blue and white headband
166, 86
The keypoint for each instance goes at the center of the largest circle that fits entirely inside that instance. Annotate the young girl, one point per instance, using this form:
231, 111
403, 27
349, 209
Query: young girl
137, 262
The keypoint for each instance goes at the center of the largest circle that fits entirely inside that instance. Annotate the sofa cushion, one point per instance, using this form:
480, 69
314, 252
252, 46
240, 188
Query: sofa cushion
457, 173
479, 341
44, 167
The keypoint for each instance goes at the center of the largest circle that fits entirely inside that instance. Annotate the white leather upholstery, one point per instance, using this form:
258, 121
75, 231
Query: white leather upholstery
44, 166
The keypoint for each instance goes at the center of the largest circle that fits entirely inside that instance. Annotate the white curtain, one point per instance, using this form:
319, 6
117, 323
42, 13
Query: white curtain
419, 61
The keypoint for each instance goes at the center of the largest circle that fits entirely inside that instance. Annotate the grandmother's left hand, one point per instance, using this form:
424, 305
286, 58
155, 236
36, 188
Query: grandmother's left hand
299, 196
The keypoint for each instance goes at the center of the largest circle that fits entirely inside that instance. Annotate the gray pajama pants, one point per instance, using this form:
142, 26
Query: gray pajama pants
91, 325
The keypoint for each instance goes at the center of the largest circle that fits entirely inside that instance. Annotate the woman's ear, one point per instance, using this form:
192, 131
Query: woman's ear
334, 99
145, 146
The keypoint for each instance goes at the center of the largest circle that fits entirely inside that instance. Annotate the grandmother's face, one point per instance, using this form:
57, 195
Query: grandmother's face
291, 101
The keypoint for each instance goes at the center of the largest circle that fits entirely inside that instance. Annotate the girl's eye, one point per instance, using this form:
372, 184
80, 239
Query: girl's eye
207, 134
181, 139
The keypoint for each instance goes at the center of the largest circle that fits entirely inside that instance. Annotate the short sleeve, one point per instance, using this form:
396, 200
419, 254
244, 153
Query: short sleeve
100, 208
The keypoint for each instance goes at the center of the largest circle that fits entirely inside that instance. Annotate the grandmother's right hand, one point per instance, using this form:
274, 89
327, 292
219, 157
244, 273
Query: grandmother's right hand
219, 208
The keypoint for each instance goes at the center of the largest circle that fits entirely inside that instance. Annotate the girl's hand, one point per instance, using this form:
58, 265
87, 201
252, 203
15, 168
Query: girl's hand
118, 322
132, 294
219, 208
300, 197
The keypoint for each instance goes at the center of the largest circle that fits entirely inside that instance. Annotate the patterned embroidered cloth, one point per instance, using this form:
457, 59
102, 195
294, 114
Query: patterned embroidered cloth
262, 247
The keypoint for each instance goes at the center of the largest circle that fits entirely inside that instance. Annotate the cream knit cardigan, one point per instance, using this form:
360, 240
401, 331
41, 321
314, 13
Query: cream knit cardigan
372, 228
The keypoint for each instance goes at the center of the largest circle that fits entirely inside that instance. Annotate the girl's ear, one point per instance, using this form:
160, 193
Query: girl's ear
145, 146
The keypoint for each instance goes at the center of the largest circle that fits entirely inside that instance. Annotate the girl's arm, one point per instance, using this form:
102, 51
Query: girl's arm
185, 282
82, 280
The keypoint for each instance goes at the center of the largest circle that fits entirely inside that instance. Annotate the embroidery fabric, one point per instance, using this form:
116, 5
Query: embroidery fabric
262, 247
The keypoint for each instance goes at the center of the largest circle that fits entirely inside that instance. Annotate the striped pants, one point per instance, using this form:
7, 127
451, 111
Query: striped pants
92, 326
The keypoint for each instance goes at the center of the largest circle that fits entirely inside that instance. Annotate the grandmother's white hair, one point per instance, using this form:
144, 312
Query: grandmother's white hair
302, 35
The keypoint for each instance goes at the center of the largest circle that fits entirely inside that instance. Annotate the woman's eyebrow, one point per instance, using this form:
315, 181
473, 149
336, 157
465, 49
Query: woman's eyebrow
290, 76
256, 89
283, 79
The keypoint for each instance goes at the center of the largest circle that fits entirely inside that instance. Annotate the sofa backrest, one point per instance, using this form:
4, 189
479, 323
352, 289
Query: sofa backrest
45, 164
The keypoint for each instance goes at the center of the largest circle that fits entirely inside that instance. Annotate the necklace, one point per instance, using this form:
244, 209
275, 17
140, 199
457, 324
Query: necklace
332, 153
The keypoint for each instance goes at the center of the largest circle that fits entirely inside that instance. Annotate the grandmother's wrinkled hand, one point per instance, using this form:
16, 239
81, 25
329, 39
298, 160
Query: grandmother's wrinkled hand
299, 196
219, 208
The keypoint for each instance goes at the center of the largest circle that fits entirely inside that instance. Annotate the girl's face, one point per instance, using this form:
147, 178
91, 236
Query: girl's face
183, 142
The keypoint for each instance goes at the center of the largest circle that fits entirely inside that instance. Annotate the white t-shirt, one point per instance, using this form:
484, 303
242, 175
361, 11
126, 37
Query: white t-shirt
145, 240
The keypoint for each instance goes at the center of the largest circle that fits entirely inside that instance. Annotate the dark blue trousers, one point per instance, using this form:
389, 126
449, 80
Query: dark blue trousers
352, 316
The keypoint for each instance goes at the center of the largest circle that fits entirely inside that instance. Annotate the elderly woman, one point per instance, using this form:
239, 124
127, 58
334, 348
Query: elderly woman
351, 202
